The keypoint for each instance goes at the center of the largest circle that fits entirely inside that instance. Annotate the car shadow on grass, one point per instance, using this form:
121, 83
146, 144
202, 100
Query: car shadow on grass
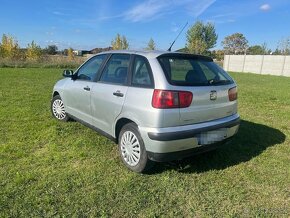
251, 140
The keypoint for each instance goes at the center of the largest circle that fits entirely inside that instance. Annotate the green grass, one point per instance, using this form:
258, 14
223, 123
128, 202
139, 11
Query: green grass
48, 168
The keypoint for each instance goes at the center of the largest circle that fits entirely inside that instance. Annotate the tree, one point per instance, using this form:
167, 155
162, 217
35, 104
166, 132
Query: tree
9, 47
151, 45
65, 52
201, 37
125, 43
265, 48
235, 43
218, 54
277, 52
34, 51
256, 50
120, 42
70, 54
284, 46
117, 43
51, 50
185, 50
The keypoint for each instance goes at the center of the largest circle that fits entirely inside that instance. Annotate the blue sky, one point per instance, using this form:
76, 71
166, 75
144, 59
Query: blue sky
88, 24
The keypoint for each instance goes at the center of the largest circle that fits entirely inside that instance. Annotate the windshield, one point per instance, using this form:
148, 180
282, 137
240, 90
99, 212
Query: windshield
190, 71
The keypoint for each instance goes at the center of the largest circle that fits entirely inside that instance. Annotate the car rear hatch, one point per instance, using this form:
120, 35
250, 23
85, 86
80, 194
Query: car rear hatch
208, 103
213, 90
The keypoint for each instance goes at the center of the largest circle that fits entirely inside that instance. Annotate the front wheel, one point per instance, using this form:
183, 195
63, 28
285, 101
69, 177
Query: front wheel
58, 110
132, 149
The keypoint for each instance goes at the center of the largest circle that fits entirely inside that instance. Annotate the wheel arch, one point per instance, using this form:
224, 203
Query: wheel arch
55, 93
119, 124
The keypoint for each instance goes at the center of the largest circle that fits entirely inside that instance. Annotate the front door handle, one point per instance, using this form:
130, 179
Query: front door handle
118, 94
87, 88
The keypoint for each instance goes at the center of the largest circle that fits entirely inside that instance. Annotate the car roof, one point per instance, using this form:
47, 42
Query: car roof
152, 53
148, 54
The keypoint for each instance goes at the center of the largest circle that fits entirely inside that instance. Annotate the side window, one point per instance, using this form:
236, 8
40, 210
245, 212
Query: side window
141, 72
90, 68
116, 70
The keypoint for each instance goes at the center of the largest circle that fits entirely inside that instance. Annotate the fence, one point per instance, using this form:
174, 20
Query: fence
261, 64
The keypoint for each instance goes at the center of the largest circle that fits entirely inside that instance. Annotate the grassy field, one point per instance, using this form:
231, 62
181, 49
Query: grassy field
48, 168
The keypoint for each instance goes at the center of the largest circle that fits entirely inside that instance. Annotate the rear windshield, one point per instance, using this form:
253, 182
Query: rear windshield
190, 71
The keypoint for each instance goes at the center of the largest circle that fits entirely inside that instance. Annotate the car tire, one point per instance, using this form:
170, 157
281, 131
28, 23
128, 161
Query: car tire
58, 109
132, 149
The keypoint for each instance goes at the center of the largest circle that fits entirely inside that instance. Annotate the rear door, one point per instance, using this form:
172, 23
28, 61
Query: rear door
109, 93
208, 83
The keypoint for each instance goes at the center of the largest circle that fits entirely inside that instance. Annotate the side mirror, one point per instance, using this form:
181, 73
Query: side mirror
68, 73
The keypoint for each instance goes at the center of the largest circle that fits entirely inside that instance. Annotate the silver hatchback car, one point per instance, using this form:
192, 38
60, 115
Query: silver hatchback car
158, 106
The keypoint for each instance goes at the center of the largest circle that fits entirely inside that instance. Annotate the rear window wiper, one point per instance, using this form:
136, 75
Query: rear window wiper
217, 82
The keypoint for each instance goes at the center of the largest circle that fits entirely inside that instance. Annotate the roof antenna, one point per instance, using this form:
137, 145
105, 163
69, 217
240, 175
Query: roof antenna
177, 37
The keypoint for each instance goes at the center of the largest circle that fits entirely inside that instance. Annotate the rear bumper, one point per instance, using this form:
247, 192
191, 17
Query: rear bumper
168, 136
178, 155
189, 139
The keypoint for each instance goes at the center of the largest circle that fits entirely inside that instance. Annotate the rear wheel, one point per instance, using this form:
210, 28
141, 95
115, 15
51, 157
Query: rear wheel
132, 149
58, 110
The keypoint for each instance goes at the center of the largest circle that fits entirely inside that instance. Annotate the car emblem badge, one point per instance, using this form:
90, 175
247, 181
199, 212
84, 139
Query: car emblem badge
213, 95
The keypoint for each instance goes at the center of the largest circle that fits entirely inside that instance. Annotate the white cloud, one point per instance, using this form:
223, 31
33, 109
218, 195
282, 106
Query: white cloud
60, 13
223, 15
153, 9
174, 27
50, 33
265, 7
147, 10
199, 7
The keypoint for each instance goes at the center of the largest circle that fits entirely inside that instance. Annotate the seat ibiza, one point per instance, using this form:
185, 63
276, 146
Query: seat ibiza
157, 106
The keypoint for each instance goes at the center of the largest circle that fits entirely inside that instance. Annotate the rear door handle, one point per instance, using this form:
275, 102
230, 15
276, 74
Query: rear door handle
118, 94
87, 88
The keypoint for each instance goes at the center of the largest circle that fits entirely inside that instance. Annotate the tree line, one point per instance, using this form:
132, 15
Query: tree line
201, 38
10, 49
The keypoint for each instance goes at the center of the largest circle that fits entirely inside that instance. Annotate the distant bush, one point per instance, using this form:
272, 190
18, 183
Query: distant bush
50, 50
70, 54
34, 52
11, 55
9, 47
45, 61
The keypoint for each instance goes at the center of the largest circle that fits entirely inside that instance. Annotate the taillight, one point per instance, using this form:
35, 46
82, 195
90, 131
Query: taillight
171, 99
233, 94
185, 99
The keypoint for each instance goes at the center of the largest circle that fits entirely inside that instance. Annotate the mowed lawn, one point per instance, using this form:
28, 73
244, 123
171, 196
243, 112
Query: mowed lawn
48, 168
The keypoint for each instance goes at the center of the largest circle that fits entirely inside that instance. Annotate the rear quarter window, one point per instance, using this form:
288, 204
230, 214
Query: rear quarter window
141, 73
